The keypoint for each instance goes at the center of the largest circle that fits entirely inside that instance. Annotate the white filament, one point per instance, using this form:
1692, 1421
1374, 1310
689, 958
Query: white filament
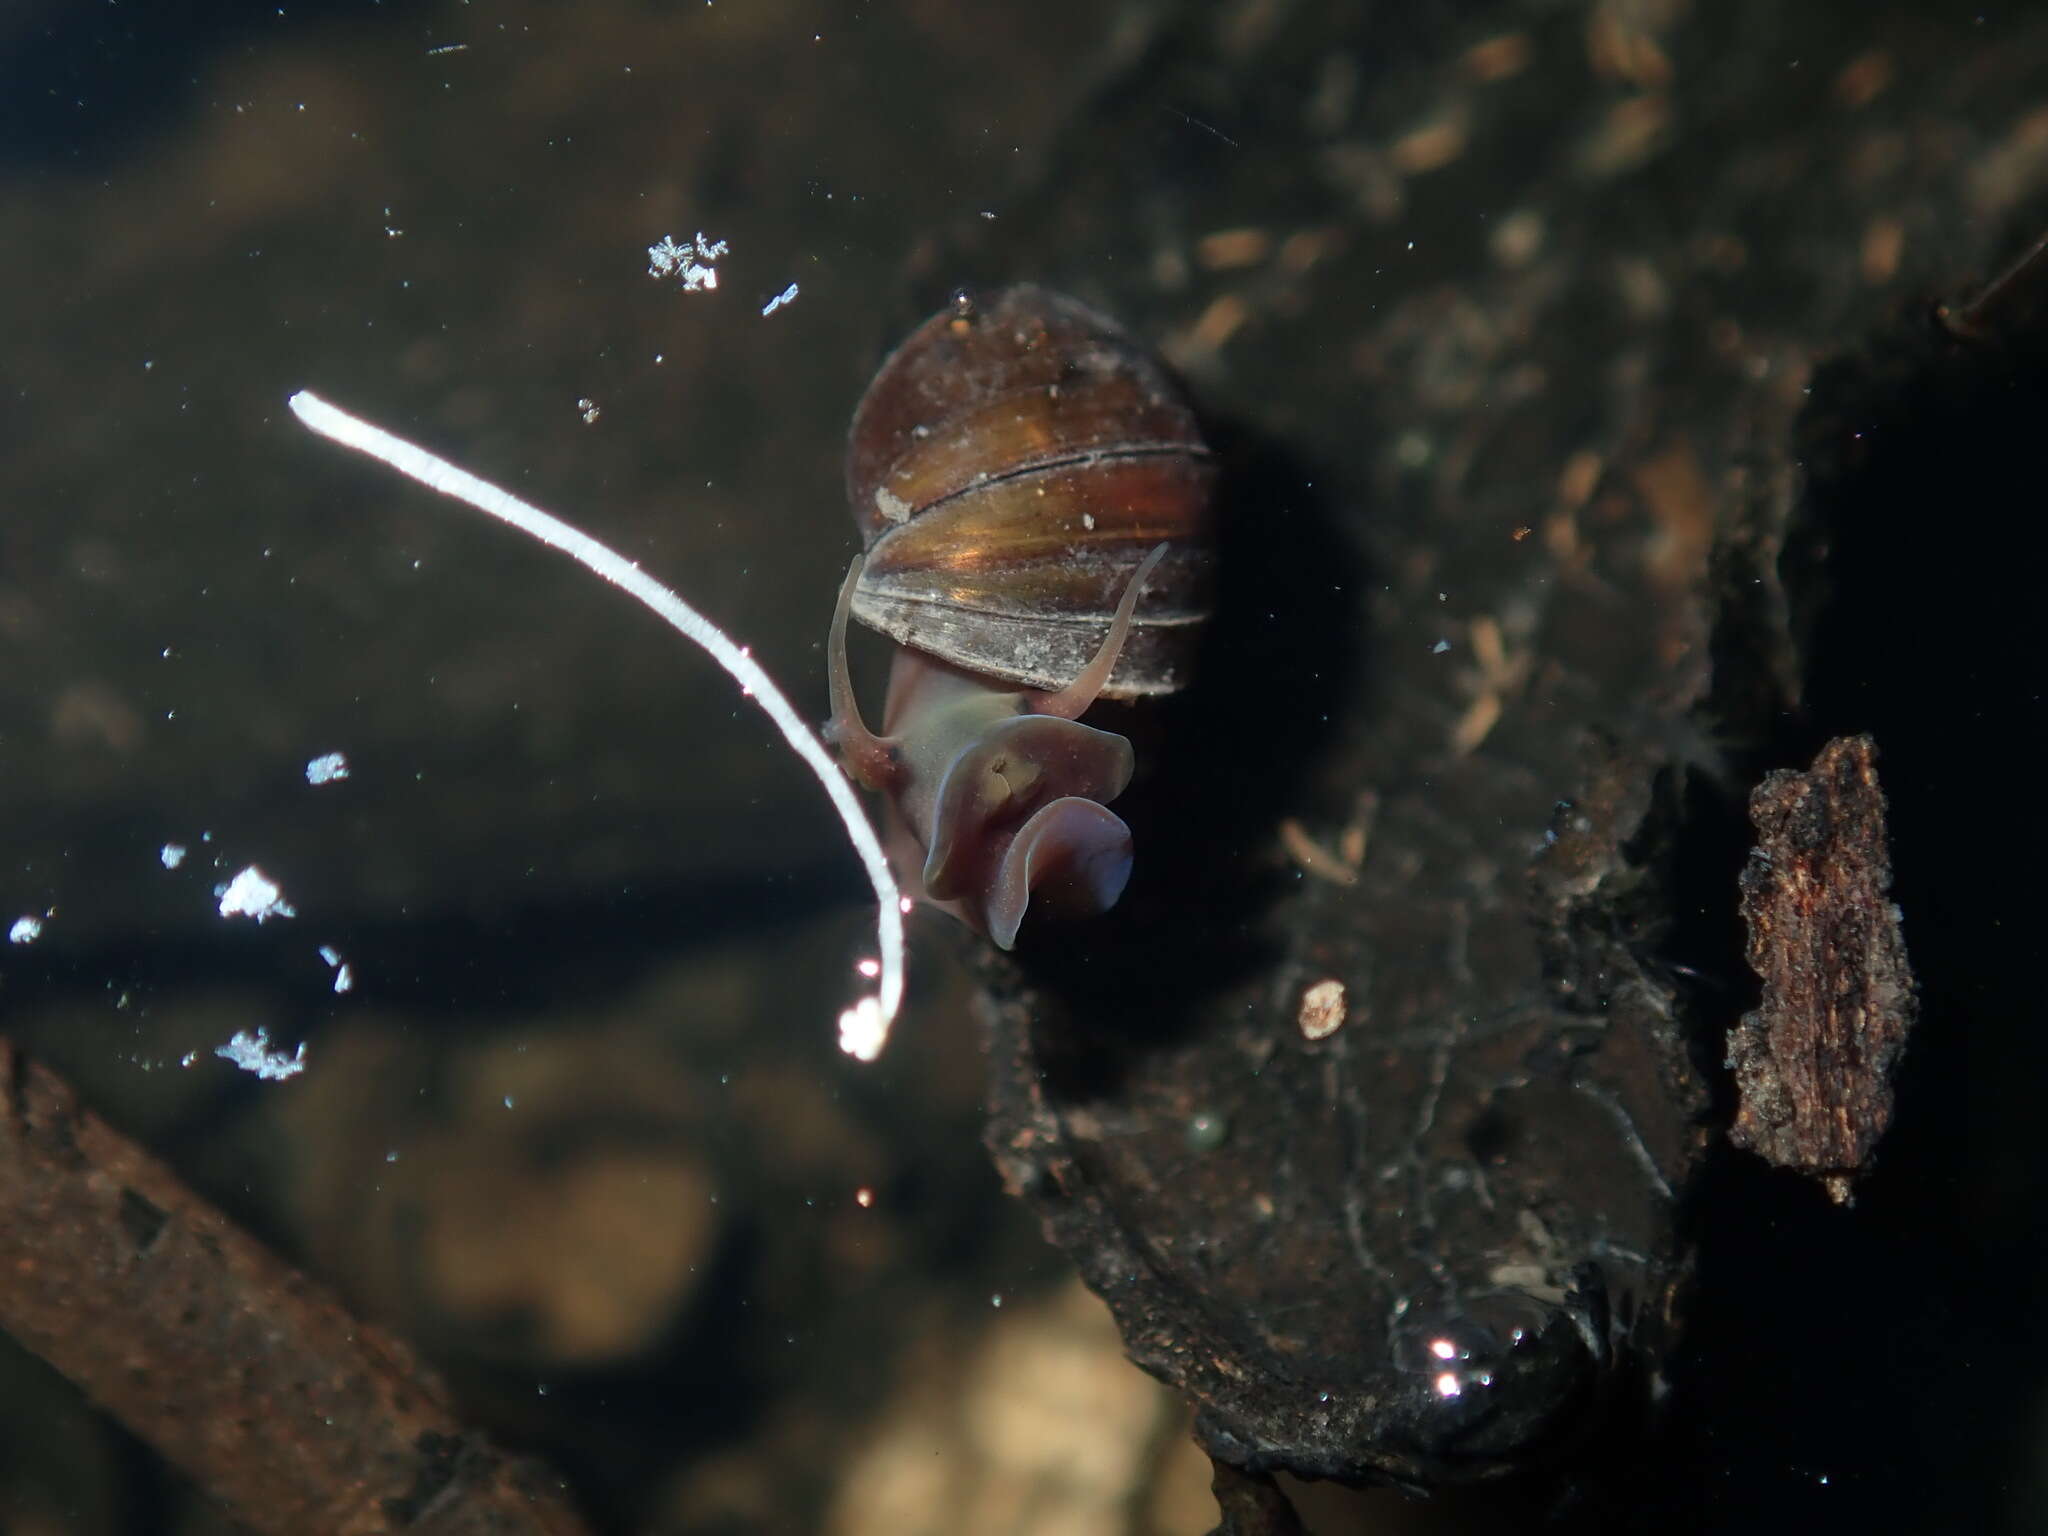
863, 1028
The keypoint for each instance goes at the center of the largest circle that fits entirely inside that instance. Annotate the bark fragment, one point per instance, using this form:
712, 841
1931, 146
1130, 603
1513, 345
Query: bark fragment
1813, 1065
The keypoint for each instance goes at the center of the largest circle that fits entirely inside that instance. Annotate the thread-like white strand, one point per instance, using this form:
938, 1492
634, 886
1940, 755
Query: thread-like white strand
863, 1028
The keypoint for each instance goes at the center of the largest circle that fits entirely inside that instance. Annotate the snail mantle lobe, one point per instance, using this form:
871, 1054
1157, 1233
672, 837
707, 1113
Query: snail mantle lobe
1036, 505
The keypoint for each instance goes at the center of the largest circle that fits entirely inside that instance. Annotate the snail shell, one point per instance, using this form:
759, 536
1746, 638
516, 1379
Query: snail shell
1010, 465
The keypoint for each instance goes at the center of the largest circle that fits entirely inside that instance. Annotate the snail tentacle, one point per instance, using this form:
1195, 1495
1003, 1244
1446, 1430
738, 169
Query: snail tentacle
1073, 700
871, 759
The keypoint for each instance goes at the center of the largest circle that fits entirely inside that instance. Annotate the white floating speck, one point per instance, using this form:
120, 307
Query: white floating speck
778, 301
26, 930
253, 894
344, 974
173, 854
1322, 1010
326, 768
252, 1053
689, 262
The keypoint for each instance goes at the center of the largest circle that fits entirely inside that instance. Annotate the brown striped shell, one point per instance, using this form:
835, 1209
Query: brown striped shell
1009, 466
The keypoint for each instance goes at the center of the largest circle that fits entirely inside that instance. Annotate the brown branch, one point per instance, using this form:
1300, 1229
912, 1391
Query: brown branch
1252, 1503
233, 1365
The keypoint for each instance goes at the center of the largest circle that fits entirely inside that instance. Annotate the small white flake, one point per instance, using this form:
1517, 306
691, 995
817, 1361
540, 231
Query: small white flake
172, 854
589, 410
326, 768
689, 262
344, 975
252, 1053
253, 894
26, 930
778, 301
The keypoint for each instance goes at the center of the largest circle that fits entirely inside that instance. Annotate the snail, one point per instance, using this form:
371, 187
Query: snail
1035, 502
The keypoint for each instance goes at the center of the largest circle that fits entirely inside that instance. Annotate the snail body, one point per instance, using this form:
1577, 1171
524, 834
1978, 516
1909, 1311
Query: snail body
1034, 497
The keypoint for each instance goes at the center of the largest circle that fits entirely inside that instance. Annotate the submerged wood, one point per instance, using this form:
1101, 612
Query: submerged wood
254, 1381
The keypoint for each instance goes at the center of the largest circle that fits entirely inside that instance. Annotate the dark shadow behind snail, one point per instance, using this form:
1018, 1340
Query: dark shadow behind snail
1036, 505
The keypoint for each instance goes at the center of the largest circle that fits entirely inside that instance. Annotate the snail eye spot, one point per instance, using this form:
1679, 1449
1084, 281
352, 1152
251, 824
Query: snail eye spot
996, 790
1019, 776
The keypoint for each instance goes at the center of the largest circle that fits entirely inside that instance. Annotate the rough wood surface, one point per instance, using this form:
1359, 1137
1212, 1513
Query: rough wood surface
1814, 1063
1508, 616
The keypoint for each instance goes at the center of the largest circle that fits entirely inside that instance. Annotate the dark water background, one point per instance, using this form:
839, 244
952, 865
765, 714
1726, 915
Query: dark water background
596, 918
598, 922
